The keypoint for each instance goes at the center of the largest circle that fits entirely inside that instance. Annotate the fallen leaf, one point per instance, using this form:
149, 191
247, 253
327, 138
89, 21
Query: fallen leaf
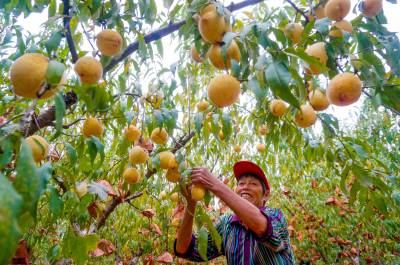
148, 213
165, 258
110, 190
104, 248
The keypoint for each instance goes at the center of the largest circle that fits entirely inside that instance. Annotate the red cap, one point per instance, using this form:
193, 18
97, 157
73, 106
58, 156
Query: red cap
246, 167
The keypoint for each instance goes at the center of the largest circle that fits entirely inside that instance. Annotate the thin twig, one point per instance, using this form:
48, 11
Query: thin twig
384, 105
298, 10
11, 119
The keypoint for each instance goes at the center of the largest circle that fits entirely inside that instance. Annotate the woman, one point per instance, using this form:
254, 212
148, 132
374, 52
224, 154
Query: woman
254, 234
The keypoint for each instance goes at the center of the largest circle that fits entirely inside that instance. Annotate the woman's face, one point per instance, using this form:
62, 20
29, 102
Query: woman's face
250, 189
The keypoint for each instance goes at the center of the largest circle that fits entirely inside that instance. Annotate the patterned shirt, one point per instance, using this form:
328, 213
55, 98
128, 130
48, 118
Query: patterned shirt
241, 246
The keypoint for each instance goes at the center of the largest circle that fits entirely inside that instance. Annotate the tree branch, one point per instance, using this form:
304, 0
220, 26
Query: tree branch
46, 119
108, 210
298, 10
68, 36
158, 34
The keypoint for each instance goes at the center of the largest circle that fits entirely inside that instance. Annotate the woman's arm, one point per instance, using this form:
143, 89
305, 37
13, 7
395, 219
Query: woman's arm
184, 236
248, 213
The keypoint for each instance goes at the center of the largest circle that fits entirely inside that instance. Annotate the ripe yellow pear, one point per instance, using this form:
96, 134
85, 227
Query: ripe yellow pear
319, 13
132, 133
237, 148
109, 42
202, 105
306, 116
344, 89
340, 26
223, 90
371, 8
216, 56
212, 26
278, 107
159, 136
89, 70
318, 100
337, 9
165, 159
317, 50
39, 147
28, 75
260, 147
263, 129
207, 9
174, 197
131, 175
293, 31
92, 127
195, 55
221, 135
198, 192
138, 155
173, 175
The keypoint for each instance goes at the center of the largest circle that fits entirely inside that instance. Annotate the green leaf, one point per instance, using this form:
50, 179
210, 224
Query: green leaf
10, 208
56, 203
355, 189
198, 122
226, 125
60, 110
78, 247
52, 8
213, 231
343, 177
375, 62
379, 202
71, 153
167, 3
142, 46
322, 25
215, 125
6, 152
362, 175
54, 42
159, 118
260, 93
95, 147
202, 240
301, 54
55, 72
30, 181
278, 77
20, 41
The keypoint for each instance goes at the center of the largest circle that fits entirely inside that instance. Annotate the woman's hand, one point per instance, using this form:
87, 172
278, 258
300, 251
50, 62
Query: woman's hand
202, 176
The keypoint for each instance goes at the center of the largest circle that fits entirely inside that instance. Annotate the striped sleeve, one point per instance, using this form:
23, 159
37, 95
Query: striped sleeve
276, 236
193, 254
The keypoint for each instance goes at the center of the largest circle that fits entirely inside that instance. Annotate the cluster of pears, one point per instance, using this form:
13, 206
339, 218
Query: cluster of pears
29, 77
89, 69
345, 88
223, 90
